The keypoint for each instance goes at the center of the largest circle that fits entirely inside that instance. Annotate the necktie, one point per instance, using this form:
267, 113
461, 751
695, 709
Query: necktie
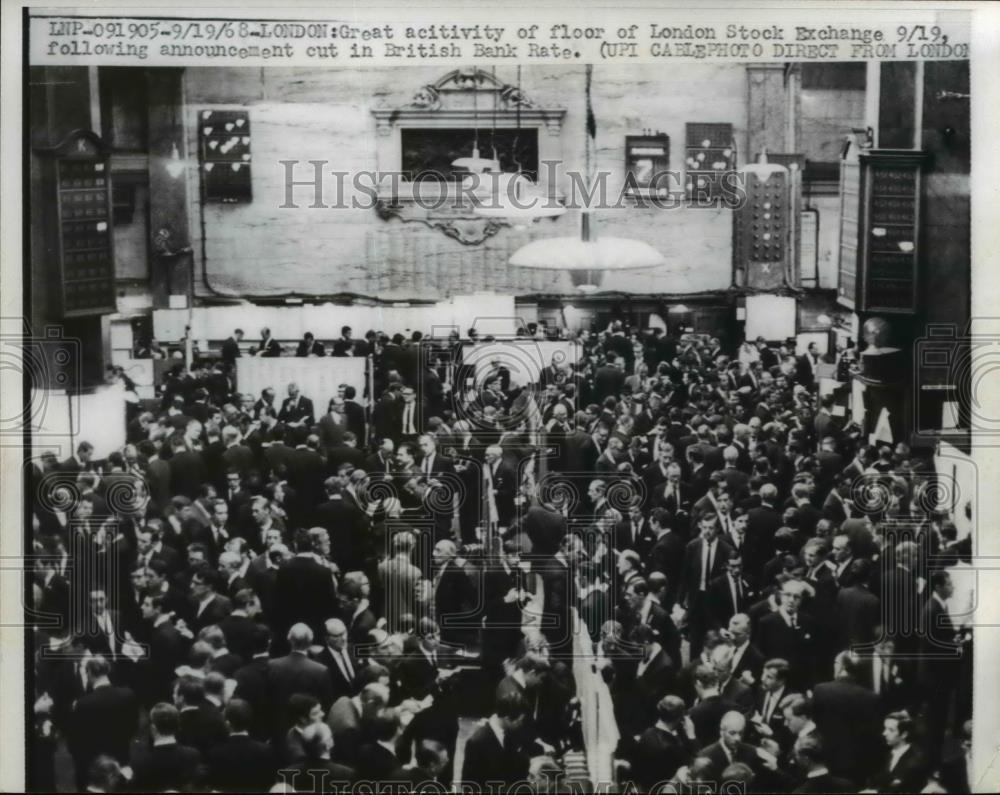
708, 565
767, 707
427, 466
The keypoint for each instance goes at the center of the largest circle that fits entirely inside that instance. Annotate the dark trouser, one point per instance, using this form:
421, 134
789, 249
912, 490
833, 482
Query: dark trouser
697, 621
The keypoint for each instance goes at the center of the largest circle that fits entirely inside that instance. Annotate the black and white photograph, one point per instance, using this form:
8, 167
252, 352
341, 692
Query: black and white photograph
549, 400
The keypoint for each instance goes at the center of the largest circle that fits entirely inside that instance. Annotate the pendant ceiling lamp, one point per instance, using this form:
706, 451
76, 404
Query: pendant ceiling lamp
476, 164
587, 257
513, 197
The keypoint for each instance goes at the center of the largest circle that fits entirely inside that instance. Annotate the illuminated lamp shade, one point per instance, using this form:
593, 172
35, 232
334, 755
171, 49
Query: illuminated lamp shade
512, 197
587, 260
476, 164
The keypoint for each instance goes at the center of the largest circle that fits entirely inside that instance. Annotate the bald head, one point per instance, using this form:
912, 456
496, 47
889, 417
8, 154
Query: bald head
300, 637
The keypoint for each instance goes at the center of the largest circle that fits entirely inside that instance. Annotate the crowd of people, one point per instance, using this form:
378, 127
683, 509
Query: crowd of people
250, 595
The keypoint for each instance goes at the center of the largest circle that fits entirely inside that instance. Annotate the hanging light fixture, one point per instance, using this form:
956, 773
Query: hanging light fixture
588, 257
476, 164
514, 197
175, 166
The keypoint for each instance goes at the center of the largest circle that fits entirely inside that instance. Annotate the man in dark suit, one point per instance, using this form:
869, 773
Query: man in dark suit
904, 768
348, 716
704, 559
940, 658
810, 756
666, 555
346, 525
847, 716
503, 593
656, 754
790, 634
231, 348
304, 589
241, 763
187, 470
500, 487
104, 720
316, 772
559, 596
344, 346
296, 410
729, 593
310, 346
296, 673
805, 367
491, 753
252, 686
165, 765
710, 705
451, 592
208, 607
609, 380
168, 649
730, 748
337, 658
762, 523
857, 609
269, 346
202, 725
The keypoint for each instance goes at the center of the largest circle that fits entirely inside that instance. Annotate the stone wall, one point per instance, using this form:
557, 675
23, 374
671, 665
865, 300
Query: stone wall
258, 249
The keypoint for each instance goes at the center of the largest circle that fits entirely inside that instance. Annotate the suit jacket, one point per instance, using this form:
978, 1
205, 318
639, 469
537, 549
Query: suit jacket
751, 660
487, 760
305, 349
453, 597
166, 768
241, 764
858, 616
344, 721
723, 605
762, 524
103, 721
666, 556
230, 351
239, 632
301, 412
545, 529
744, 753
187, 473
252, 687
269, 348
909, 774
202, 728
296, 673
775, 638
627, 537
849, 719
692, 567
608, 382
348, 527
303, 591
706, 716
938, 647
216, 610
332, 429
655, 756
505, 487
340, 684
558, 597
